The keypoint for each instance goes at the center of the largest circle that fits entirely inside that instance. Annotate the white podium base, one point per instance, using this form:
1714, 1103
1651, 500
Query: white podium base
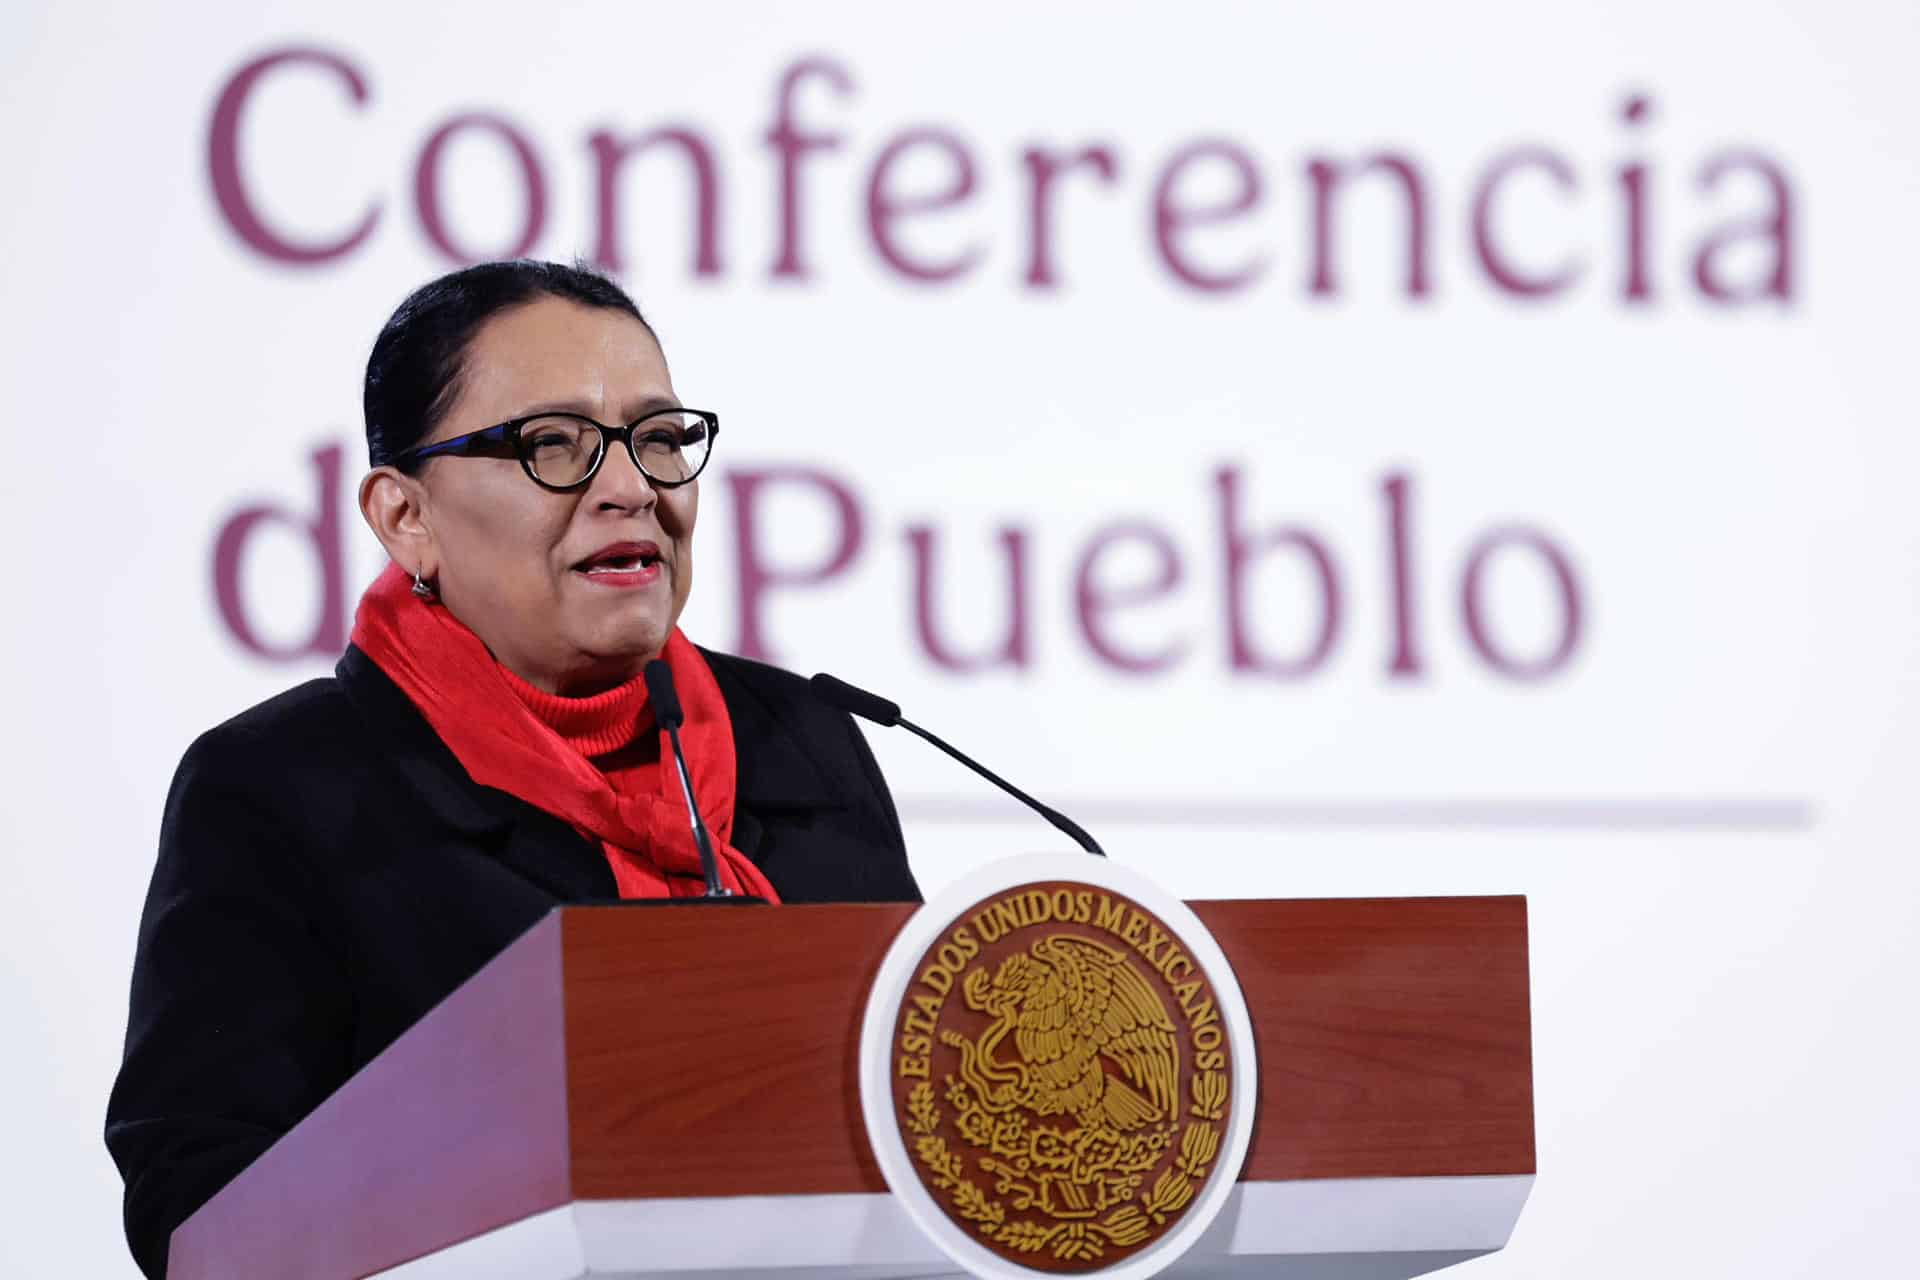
1334, 1229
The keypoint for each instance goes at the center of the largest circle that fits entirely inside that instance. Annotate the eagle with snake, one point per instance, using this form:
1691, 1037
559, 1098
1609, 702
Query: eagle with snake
1093, 1038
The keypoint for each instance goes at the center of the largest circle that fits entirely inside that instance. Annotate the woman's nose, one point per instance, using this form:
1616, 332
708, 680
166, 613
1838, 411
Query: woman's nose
620, 481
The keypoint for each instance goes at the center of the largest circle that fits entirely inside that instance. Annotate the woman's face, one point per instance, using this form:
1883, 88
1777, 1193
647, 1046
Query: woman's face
573, 592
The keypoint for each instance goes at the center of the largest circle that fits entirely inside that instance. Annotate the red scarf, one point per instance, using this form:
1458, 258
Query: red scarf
487, 717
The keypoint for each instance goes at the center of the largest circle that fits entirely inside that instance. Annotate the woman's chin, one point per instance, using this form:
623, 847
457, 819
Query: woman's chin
626, 647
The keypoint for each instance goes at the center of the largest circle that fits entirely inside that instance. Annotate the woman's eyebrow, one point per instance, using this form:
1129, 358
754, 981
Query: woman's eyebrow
652, 404
583, 409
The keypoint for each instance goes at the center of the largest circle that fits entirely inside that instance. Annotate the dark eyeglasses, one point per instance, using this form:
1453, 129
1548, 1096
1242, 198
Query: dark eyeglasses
562, 451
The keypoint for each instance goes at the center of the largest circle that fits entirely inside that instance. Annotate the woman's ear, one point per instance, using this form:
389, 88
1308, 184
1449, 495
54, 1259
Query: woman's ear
394, 506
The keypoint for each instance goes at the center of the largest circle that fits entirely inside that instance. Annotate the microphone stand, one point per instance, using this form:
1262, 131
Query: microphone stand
871, 706
667, 714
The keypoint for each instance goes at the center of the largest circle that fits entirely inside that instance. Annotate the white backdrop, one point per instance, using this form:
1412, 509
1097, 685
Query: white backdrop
1681, 717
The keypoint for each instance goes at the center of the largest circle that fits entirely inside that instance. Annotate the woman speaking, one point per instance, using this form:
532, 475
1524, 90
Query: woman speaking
336, 860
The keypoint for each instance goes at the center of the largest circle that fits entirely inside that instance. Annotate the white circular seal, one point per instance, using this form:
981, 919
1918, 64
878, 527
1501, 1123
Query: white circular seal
1097, 1117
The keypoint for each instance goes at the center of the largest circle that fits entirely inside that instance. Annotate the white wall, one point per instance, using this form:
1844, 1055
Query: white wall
1707, 800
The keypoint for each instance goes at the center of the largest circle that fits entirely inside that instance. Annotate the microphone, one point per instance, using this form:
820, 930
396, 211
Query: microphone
667, 714
871, 706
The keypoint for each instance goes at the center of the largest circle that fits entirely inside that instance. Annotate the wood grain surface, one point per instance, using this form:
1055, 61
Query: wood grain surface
1393, 1034
615, 1052
716, 1056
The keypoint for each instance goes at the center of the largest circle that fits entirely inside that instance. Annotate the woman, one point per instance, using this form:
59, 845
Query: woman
336, 860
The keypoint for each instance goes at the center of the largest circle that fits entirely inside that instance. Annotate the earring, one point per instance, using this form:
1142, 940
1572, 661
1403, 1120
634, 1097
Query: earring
422, 589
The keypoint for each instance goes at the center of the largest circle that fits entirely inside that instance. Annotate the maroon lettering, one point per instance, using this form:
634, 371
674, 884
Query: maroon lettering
1043, 168
1171, 219
610, 156
1480, 633
792, 144
1240, 551
426, 187
1326, 175
1636, 287
1498, 266
1775, 228
1202, 202
322, 533
884, 206
1405, 662
755, 574
1014, 650
1093, 600
223, 161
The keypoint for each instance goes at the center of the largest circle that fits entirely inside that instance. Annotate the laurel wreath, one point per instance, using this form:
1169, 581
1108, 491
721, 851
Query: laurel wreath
1073, 1241
1209, 1095
1199, 1144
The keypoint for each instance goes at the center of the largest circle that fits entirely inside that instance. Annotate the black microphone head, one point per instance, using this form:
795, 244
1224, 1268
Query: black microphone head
868, 706
666, 700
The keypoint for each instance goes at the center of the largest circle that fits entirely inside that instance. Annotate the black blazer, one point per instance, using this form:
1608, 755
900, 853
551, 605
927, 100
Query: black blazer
327, 872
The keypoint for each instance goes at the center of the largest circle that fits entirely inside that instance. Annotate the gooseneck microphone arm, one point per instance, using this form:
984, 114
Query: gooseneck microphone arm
1051, 814
667, 714
869, 706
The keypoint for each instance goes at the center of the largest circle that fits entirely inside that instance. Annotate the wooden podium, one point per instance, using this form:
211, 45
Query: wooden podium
628, 1091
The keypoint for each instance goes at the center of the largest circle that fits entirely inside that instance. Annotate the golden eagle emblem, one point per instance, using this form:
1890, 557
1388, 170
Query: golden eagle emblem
1093, 1041
1060, 1078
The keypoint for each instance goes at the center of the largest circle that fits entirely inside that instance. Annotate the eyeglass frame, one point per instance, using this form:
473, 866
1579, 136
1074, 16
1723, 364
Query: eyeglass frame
508, 434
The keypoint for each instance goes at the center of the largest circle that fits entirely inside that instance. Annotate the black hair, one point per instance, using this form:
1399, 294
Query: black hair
414, 372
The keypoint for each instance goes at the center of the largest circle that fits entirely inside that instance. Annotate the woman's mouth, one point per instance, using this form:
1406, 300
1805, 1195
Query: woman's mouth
624, 564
